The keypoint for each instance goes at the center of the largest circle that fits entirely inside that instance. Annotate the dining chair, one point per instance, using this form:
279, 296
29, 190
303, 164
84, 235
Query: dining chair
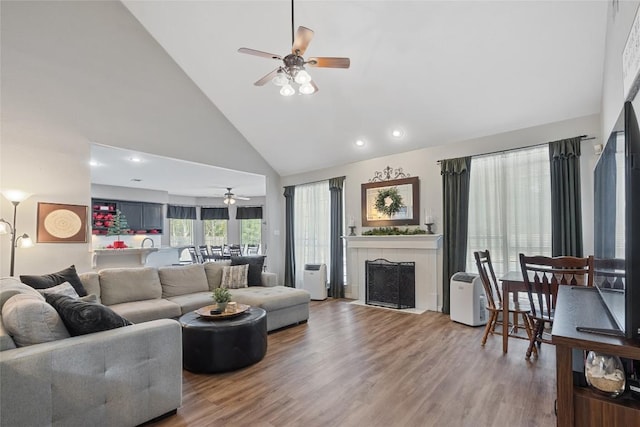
195, 259
235, 250
517, 310
252, 250
204, 253
542, 276
216, 251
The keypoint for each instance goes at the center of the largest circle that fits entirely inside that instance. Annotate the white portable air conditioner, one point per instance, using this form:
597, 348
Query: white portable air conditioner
315, 280
468, 301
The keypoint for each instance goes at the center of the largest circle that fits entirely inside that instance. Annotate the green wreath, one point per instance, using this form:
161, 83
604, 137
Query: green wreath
389, 201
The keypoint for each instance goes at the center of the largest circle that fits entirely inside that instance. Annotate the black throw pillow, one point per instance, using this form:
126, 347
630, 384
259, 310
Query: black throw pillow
50, 280
82, 317
254, 278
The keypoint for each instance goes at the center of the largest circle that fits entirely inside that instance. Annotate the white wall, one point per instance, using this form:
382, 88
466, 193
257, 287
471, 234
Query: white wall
75, 73
423, 164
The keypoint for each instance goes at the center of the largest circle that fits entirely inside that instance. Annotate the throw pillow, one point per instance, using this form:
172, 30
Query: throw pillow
49, 280
82, 318
62, 289
30, 320
234, 277
255, 267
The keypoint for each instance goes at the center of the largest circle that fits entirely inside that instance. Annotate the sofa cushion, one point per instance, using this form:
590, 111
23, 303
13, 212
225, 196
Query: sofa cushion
213, 270
119, 285
182, 280
254, 277
270, 298
49, 280
30, 320
82, 317
191, 302
234, 277
145, 311
10, 286
91, 282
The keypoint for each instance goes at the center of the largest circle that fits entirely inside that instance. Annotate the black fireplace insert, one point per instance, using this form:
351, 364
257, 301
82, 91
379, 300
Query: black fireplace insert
390, 284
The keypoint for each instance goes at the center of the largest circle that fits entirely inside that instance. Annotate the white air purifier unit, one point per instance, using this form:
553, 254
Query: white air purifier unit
468, 301
315, 280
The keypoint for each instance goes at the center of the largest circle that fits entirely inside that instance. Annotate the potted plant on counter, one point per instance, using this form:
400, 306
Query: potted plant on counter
117, 227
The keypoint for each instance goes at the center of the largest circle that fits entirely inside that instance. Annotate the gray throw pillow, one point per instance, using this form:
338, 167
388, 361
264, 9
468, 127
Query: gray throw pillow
255, 267
30, 320
82, 317
49, 280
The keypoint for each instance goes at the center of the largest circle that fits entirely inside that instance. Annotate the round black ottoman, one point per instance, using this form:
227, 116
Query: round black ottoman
223, 345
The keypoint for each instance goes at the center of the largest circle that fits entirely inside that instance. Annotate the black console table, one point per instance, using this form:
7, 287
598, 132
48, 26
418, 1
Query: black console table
579, 406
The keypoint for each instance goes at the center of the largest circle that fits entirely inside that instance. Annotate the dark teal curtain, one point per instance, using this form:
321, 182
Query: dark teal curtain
336, 272
249, 212
566, 207
214, 213
181, 212
455, 216
289, 248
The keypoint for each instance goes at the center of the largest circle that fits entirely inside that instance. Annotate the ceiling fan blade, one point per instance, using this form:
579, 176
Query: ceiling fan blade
267, 78
259, 53
242, 198
302, 40
329, 62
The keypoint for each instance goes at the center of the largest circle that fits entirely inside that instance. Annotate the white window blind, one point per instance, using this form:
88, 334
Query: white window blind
510, 207
312, 225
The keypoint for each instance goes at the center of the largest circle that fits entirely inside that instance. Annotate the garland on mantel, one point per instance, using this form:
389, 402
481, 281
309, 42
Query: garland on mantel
393, 231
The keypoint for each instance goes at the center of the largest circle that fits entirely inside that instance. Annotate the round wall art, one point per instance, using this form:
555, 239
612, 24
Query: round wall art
62, 223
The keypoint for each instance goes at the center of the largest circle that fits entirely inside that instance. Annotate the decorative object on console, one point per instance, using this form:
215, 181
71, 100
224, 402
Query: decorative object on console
15, 197
118, 226
394, 231
222, 296
605, 373
393, 202
62, 223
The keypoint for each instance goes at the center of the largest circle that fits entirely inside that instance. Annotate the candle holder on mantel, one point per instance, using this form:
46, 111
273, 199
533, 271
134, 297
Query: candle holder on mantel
352, 230
429, 225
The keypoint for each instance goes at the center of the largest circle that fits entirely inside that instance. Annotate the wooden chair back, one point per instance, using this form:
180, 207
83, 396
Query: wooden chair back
234, 250
609, 273
194, 255
204, 252
216, 250
542, 275
488, 276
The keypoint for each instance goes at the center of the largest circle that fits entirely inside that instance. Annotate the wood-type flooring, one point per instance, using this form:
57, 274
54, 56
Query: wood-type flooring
363, 366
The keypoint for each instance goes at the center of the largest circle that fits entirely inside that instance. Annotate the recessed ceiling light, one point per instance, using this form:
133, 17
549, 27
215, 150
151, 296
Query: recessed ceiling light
359, 143
397, 133
93, 163
135, 159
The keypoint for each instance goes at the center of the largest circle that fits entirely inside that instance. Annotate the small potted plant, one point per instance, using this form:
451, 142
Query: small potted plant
221, 296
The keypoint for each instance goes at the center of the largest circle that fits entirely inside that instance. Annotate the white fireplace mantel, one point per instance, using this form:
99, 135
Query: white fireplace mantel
423, 249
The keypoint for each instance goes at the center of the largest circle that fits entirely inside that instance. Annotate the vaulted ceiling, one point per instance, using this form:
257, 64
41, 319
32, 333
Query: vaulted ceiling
441, 71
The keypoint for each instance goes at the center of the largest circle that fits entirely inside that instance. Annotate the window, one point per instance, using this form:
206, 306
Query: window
510, 207
180, 232
312, 225
250, 231
215, 231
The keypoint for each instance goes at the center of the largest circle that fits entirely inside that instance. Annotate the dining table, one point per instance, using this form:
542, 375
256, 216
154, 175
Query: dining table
512, 283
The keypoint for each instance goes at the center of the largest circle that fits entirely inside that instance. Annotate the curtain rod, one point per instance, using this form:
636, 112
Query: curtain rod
582, 137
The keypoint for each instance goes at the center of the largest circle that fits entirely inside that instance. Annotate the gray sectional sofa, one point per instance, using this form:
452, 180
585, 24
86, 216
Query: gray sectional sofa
129, 375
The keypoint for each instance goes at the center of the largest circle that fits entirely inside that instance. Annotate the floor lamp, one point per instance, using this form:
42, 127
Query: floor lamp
15, 197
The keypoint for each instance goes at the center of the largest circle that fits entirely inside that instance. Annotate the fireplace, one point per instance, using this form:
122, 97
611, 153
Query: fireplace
390, 284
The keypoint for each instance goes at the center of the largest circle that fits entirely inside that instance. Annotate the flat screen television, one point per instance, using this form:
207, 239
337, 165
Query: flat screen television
617, 224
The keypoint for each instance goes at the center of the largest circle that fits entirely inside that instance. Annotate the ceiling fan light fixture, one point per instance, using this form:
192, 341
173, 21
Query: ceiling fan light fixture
307, 89
302, 77
287, 90
281, 78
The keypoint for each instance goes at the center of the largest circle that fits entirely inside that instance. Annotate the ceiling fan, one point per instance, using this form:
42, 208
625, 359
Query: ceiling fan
292, 69
230, 198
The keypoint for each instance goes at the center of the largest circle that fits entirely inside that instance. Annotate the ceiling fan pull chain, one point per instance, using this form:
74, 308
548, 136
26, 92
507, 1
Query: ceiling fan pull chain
293, 37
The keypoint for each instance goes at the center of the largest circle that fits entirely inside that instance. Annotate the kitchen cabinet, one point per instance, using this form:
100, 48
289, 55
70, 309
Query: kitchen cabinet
142, 218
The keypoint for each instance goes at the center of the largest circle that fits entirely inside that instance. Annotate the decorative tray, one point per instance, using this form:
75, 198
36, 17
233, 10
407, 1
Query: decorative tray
206, 312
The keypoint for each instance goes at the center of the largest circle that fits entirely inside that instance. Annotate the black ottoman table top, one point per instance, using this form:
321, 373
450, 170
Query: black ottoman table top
223, 345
